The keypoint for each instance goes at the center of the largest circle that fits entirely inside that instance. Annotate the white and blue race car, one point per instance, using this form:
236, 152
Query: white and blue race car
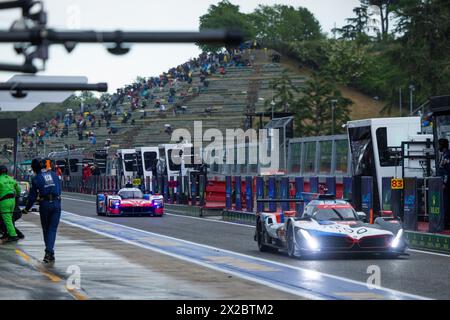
328, 225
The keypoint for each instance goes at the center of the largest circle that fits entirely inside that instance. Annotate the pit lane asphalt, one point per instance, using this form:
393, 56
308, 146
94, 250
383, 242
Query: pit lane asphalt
420, 273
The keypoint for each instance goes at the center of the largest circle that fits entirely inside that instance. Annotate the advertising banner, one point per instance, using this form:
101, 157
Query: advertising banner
259, 193
228, 192
299, 195
435, 204
314, 184
331, 185
347, 188
284, 193
272, 194
386, 194
249, 194
410, 204
367, 197
238, 191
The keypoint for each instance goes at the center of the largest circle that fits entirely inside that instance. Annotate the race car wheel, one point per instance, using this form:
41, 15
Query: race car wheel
290, 241
261, 235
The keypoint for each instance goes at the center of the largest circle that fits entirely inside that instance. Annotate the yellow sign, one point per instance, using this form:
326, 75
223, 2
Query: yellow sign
136, 182
396, 184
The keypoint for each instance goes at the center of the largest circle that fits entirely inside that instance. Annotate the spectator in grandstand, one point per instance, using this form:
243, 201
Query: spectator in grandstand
208, 110
168, 129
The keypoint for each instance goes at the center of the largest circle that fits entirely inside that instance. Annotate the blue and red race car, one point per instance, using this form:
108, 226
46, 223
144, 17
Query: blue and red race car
129, 201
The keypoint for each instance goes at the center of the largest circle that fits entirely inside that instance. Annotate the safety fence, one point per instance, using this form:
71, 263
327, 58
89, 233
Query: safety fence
176, 190
415, 201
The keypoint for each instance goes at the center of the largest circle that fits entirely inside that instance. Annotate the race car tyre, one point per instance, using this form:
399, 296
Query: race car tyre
290, 241
261, 235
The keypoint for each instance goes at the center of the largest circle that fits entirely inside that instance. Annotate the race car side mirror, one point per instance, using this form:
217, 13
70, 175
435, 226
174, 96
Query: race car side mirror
146, 196
362, 216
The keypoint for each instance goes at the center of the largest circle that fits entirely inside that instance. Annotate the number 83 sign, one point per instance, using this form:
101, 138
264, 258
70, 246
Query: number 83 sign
396, 184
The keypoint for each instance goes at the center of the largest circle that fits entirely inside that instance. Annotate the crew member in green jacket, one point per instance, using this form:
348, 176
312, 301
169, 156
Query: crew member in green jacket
9, 188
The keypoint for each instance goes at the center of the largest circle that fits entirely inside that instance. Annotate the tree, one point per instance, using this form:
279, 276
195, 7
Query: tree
283, 24
359, 26
284, 91
227, 16
346, 62
321, 101
384, 10
425, 45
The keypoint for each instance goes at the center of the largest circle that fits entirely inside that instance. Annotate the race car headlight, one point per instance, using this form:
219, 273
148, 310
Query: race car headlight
396, 241
310, 241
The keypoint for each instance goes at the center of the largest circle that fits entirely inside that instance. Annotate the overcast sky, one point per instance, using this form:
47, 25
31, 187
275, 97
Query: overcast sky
98, 65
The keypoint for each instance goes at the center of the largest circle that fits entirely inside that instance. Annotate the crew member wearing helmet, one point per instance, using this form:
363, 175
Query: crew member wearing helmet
47, 184
9, 188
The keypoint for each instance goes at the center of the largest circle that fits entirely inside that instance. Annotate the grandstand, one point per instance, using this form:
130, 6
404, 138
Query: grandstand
227, 98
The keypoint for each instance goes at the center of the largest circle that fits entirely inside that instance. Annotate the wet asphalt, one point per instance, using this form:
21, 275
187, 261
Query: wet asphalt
420, 273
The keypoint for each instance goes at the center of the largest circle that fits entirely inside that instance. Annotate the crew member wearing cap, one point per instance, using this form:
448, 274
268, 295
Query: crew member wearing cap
9, 188
47, 184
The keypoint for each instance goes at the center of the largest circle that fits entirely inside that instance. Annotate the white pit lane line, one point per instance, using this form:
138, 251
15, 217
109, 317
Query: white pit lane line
249, 226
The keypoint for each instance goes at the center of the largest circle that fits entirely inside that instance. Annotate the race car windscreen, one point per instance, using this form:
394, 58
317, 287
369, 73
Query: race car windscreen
131, 194
335, 214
